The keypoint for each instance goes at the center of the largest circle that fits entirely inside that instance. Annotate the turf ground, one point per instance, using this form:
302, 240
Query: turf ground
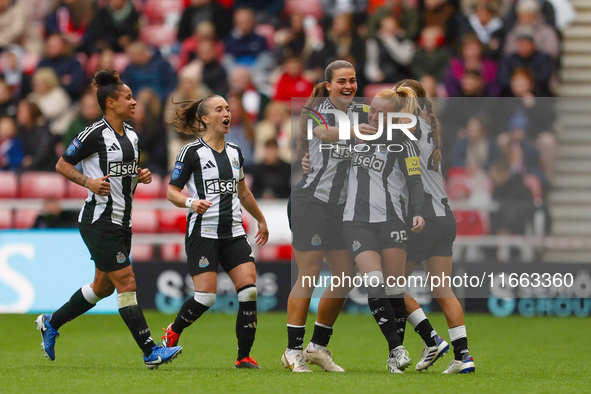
96, 353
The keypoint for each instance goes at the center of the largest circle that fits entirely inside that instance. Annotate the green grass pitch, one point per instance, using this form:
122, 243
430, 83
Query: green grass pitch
96, 353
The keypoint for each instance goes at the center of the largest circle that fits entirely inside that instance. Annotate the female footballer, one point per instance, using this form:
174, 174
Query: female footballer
212, 170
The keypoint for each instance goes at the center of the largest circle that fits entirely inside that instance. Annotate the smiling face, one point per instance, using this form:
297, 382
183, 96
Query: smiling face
218, 115
379, 106
343, 85
124, 104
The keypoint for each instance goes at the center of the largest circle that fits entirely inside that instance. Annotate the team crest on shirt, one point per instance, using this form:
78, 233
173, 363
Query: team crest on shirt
73, 148
121, 258
178, 168
235, 163
316, 240
356, 245
203, 262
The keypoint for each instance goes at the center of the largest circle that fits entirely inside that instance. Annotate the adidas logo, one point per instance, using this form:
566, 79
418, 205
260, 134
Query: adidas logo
114, 147
382, 321
209, 165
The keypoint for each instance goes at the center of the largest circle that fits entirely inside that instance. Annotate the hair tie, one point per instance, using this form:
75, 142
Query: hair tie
437, 147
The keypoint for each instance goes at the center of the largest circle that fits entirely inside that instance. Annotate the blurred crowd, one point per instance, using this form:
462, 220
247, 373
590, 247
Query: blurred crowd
261, 53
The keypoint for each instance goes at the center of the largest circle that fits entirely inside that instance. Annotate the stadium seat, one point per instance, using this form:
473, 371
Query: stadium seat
73, 190
172, 220
9, 182
150, 190
30, 61
42, 185
144, 220
6, 218
142, 252
535, 186
25, 218
173, 252
158, 35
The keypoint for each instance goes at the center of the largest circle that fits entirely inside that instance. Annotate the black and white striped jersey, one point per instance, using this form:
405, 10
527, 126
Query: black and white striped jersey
213, 176
104, 152
436, 203
329, 168
379, 183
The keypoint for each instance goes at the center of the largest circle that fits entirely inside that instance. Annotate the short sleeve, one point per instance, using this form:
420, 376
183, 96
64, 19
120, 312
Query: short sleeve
241, 160
80, 148
183, 167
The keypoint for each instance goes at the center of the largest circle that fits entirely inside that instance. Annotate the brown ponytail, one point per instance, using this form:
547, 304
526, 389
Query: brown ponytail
187, 117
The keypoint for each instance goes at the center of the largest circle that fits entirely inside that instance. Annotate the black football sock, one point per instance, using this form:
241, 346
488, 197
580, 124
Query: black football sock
425, 330
246, 320
459, 341
400, 313
295, 337
321, 335
136, 323
384, 315
190, 311
76, 306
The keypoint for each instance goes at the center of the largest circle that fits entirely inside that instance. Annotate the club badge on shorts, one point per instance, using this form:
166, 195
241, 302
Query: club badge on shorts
203, 262
121, 258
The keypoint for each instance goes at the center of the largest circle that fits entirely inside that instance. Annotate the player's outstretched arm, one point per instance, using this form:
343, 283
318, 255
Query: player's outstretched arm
98, 186
249, 203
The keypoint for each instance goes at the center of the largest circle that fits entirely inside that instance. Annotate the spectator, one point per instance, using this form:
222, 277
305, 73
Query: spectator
546, 10
431, 58
388, 54
149, 126
52, 100
204, 31
275, 125
443, 14
333, 8
488, 28
114, 26
526, 56
343, 42
523, 157
52, 216
69, 18
272, 177
38, 143
14, 27
431, 89
472, 58
213, 74
11, 150
89, 113
408, 18
292, 82
148, 69
58, 56
268, 11
474, 150
516, 205
204, 10
8, 102
252, 101
528, 17
292, 40
12, 70
244, 45
241, 131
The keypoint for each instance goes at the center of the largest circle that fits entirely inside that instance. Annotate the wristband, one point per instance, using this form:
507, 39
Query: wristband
189, 202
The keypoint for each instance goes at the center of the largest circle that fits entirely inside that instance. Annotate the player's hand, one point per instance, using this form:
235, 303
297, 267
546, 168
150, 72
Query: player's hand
144, 175
365, 129
306, 163
262, 236
200, 206
418, 224
99, 186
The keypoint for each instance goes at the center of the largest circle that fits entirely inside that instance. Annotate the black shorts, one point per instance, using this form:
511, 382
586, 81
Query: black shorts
204, 254
361, 236
109, 244
314, 224
436, 239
